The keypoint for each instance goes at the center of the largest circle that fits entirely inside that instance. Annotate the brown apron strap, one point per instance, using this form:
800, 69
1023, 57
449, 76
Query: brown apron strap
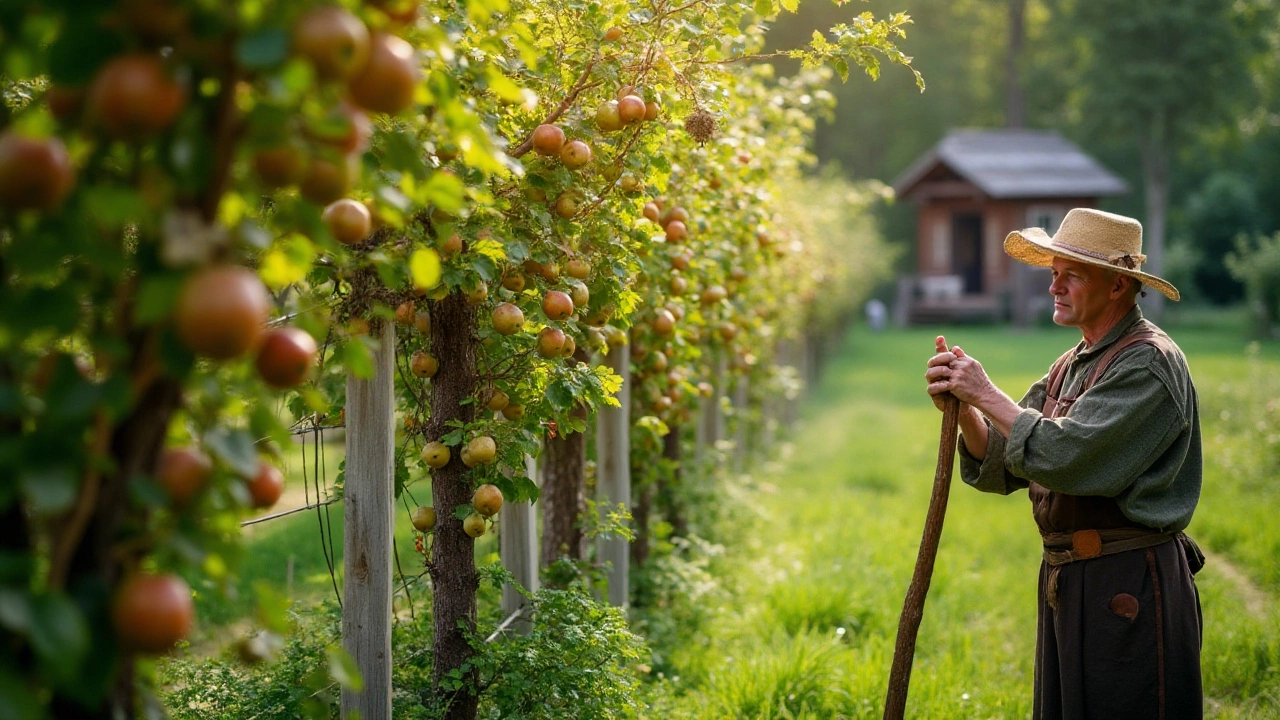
1053, 388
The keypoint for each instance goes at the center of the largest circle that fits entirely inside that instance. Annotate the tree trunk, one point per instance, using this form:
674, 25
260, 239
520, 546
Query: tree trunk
453, 562
368, 523
667, 484
1016, 107
640, 518
563, 499
1155, 181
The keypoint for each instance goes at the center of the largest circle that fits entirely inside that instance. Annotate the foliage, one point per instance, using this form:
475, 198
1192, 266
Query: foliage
293, 684
1256, 264
1224, 207
578, 659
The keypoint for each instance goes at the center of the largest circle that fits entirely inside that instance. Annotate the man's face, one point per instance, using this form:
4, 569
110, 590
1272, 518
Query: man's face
1081, 292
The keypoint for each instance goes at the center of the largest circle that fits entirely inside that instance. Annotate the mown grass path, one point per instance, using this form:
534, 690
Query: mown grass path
811, 583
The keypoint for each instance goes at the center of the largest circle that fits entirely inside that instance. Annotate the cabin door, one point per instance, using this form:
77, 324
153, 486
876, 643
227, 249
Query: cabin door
966, 250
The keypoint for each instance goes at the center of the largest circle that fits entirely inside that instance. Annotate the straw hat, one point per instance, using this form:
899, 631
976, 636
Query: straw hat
1089, 236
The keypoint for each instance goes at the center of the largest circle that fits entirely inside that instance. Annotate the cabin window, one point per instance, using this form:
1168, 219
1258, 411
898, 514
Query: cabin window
1048, 217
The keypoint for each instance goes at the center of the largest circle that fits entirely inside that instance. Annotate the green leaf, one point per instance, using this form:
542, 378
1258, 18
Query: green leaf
764, 8
288, 262
18, 697
343, 669
791, 6
424, 268
358, 359
80, 50
560, 394
59, 634
235, 448
461, 512
485, 267
263, 49
273, 607
157, 295
49, 489
445, 191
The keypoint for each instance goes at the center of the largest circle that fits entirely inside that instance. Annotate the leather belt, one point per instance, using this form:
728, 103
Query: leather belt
1063, 548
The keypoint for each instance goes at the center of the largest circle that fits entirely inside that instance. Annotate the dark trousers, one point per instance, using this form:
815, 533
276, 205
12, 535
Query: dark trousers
1124, 641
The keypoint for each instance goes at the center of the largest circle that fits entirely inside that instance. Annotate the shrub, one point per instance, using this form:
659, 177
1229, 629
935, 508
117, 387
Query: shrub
1257, 265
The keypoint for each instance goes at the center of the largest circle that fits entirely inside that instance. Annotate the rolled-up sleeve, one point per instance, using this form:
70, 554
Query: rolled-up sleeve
1114, 432
991, 473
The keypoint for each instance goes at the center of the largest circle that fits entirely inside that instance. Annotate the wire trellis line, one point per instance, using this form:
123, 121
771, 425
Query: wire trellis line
283, 513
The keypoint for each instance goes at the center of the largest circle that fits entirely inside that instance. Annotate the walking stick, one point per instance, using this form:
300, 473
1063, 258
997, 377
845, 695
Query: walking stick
913, 607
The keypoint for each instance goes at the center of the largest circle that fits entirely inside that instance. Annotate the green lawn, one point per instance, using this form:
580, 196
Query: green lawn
807, 593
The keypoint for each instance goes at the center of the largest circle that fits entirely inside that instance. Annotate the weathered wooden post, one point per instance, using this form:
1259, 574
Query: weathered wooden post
710, 428
368, 523
741, 419
518, 547
613, 472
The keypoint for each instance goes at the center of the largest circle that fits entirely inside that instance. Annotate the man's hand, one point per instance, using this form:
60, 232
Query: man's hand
952, 371
956, 373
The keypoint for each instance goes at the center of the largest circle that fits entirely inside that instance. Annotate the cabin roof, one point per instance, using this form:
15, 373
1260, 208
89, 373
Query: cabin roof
1009, 163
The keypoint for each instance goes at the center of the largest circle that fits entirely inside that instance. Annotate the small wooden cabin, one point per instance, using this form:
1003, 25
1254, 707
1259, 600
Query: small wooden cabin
974, 188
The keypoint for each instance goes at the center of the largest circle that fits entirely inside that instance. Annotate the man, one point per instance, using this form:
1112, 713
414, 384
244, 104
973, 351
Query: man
1108, 445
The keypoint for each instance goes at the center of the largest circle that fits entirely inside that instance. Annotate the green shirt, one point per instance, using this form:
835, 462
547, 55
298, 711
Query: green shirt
1133, 436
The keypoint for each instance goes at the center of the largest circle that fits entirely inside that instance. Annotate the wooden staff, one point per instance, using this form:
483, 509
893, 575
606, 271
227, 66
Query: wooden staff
904, 650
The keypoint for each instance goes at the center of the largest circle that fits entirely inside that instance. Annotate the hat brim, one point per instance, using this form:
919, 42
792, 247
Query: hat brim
1033, 246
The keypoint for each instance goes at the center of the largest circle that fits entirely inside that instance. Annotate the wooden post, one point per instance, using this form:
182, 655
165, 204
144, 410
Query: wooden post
741, 413
710, 411
518, 546
613, 473
368, 522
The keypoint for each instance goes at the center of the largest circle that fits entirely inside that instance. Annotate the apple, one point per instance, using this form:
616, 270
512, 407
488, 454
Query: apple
349, 221
286, 356
422, 322
679, 285
221, 311
387, 81
473, 525
333, 40
480, 451
549, 272
329, 177
280, 166
513, 281
357, 326
450, 246
575, 154
346, 129
548, 140
405, 313
487, 500
435, 454
613, 34
133, 97
631, 109
664, 323
578, 269
422, 364
714, 294
151, 613
513, 411
676, 213
630, 183
728, 330
557, 305
680, 262
607, 117
651, 211
35, 174
566, 205
676, 231
507, 319
478, 294
496, 400
424, 519
266, 486
551, 342
579, 294
183, 472
651, 110
570, 346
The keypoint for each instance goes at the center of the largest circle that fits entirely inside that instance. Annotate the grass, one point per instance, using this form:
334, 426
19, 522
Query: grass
812, 579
